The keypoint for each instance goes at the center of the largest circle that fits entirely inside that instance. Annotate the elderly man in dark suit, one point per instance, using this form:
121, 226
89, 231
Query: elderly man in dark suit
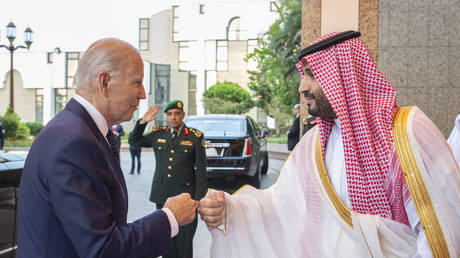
73, 197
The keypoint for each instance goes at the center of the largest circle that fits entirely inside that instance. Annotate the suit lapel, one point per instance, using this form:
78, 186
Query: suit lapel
77, 108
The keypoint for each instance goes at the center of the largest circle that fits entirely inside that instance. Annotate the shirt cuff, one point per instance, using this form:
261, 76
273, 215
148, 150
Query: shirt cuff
172, 222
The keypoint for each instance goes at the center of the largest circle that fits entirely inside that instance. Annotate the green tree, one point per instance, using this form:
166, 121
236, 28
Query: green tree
227, 98
14, 129
35, 127
10, 122
276, 81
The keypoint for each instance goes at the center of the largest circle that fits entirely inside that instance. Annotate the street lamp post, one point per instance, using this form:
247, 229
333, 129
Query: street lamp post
11, 36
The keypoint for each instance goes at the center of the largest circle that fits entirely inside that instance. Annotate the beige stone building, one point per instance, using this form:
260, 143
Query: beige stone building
416, 44
207, 41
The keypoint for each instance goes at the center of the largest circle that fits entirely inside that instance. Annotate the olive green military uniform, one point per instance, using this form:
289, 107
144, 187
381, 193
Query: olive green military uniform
180, 167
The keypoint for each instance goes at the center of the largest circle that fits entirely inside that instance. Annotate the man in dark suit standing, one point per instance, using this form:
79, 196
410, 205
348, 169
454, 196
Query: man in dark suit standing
73, 196
135, 152
180, 165
293, 133
118, 131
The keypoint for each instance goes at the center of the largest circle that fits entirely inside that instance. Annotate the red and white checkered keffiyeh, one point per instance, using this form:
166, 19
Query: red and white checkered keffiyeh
365, 102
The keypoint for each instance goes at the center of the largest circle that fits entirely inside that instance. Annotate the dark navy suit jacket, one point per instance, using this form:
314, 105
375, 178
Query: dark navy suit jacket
73, 200
293, 134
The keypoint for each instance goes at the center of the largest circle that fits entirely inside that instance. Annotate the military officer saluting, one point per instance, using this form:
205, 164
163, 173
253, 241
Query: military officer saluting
180, 164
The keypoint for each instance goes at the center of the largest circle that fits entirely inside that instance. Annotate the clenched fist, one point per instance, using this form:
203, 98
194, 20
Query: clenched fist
211, 208
183, 207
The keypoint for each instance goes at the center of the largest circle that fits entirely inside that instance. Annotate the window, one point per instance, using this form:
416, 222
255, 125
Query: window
222, 55
72, 59
233, 29
252, 44
144, 24
184, 56
39, 105
60, 100
201, 8
162, 87
254, 126
218, 126
175, 11
49, 57
210, 55
272, 6
211, 79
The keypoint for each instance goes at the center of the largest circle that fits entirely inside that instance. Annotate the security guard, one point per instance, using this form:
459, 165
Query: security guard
180, 165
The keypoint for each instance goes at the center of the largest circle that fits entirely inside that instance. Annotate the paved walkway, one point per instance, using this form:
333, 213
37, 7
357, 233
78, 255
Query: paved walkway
139, 191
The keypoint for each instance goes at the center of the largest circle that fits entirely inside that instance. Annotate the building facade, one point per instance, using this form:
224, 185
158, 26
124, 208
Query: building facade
208, 40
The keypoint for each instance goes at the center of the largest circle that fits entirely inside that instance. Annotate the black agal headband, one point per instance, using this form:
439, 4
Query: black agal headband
323, 44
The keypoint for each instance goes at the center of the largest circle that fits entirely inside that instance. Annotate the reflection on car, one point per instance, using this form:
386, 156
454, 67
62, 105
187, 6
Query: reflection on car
11, 165
234, 146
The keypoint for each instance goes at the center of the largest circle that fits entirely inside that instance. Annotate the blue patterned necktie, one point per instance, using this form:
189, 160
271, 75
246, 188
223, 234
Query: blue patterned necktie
112, 139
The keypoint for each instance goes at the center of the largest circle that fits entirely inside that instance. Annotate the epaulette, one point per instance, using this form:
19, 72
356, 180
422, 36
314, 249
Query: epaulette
196, 132
158, 128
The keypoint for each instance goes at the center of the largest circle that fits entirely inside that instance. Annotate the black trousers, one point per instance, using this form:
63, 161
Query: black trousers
182, 246
135, 154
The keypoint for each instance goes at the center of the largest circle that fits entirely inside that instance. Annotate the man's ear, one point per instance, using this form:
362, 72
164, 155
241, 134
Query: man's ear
103, 79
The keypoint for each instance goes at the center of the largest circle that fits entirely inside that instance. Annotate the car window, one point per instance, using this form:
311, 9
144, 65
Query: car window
255, 128
226, 126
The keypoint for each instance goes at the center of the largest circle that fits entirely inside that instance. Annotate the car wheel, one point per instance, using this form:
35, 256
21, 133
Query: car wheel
255, 180
265, 165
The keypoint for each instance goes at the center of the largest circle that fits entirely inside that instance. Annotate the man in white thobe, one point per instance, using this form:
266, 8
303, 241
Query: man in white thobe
371, 180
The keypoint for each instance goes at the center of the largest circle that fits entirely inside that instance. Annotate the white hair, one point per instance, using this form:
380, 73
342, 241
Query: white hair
105, 55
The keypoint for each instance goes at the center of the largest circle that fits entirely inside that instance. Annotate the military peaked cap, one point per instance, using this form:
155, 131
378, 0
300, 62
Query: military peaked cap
174, 104
323, 44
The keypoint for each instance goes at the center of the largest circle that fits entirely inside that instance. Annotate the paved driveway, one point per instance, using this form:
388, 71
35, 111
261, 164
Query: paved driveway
139, 190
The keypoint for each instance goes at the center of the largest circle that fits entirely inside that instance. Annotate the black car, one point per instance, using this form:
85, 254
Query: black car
234, 146
11, 165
